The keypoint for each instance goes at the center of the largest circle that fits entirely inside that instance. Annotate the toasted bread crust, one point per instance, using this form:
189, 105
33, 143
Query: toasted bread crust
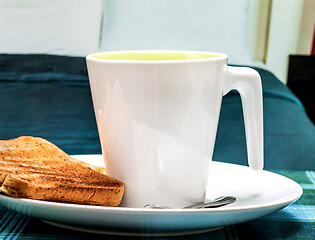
106, 196
35, 168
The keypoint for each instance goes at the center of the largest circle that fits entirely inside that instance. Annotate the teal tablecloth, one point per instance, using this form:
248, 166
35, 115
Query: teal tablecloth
297, 221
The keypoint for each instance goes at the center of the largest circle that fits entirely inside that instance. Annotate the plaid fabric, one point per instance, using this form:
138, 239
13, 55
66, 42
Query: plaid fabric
296, 221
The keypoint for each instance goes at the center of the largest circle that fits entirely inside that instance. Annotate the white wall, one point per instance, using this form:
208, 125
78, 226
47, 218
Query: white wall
67, 27
78, 27
200, 25
291, 32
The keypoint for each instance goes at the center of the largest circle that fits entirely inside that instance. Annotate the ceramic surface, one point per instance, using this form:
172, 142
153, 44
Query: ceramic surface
258, 193
157, 120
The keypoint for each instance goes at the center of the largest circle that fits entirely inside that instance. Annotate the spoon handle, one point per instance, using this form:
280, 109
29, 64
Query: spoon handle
220, 201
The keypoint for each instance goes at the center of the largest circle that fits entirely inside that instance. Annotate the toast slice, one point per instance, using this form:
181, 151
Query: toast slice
34, 168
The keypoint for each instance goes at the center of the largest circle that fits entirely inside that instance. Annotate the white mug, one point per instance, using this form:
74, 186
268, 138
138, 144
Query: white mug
157, 115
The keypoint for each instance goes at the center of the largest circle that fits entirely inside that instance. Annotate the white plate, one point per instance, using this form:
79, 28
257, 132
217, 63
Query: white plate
258, 194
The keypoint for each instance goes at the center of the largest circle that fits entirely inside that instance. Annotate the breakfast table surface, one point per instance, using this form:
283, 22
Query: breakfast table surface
296, 221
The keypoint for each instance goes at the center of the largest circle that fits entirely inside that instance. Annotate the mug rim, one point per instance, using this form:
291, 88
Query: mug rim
221, 56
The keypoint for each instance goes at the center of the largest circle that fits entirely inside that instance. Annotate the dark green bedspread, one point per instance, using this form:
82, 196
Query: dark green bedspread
49, 97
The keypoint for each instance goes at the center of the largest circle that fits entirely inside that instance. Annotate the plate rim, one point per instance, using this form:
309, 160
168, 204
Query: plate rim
131, 234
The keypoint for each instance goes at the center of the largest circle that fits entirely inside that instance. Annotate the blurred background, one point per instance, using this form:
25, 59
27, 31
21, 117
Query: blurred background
265, 31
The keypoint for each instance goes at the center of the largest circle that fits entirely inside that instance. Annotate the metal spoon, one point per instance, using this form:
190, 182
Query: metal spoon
217, 202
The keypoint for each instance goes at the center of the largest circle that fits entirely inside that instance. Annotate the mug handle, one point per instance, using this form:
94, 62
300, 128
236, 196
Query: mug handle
248, 83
